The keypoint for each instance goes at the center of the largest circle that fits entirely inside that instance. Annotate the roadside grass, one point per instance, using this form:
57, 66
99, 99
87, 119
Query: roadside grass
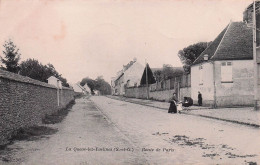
33, 133
58, 116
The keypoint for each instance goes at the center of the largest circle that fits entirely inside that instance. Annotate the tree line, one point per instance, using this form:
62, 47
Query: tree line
187, 56
98, 84
34, 69
31, 67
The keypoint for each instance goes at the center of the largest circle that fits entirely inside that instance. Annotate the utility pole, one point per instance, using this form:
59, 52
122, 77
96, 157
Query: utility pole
58, 95
147, 85
256, 98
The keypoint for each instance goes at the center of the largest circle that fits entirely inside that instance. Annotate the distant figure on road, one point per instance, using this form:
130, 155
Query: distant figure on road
173, 100
199, 99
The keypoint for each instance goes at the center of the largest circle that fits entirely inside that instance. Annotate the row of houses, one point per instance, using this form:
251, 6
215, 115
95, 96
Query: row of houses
223, 73
76, 87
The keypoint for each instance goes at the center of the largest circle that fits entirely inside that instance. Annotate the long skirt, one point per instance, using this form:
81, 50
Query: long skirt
172, 108
200, 102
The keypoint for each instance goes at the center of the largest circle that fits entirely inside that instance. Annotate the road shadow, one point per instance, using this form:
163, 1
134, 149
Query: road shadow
33, 133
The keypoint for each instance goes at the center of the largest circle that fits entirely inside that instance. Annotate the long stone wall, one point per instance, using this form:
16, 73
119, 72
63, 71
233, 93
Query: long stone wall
163, 95
136, 92
24, 102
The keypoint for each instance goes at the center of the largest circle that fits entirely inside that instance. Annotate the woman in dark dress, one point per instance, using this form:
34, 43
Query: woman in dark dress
173, 100
199, 99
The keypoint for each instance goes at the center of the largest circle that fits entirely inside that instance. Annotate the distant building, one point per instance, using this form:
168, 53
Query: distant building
113, 85
54, 81
129, 76
78, 88
223, 73
96, 92
87, 89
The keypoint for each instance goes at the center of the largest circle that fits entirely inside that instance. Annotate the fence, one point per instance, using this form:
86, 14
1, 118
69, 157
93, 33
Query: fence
163, 90
176, 82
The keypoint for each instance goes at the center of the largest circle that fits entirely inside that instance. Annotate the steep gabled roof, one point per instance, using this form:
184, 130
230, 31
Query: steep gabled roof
81, 87
211, 49
125, 67
150, 76
235, 42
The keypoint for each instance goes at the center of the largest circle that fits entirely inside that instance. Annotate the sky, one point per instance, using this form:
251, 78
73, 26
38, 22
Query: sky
89, 38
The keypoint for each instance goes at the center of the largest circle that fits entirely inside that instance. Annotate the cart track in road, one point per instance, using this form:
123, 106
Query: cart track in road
86, 136
193, 140
121, 132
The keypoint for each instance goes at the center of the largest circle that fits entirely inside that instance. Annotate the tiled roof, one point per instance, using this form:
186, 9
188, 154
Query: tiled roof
235, 42
125, 67
210, 50
129, 65
81, 87
251, 6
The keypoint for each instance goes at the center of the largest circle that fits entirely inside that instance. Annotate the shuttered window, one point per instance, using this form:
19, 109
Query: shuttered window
226, 72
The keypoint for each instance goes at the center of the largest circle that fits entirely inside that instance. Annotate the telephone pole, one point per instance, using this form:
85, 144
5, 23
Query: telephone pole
147, 85
256, 66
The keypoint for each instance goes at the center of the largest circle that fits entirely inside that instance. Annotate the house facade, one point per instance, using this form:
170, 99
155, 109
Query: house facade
223, 73
129, 76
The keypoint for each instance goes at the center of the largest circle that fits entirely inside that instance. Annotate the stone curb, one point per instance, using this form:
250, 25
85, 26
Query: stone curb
227, 120
216, 118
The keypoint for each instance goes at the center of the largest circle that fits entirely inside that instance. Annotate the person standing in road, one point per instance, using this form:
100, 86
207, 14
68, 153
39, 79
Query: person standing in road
199, 99
173, 100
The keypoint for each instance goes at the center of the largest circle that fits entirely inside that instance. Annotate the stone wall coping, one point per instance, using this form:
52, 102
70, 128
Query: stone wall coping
24, 79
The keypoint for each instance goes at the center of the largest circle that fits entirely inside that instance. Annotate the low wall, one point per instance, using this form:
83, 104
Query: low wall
185, 92
163, 95
24, 102
136, 92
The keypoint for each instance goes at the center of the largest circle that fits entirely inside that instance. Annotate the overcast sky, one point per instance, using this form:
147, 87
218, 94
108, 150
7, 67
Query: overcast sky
91, 38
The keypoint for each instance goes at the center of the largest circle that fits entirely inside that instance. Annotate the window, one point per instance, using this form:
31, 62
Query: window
128, 83
200, 75
226, 72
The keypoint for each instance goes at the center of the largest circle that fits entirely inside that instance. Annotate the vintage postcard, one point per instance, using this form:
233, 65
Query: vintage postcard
129, 82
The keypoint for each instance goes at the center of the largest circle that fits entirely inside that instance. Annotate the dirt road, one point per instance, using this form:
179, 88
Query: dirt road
84, 137
195, 140
100, 130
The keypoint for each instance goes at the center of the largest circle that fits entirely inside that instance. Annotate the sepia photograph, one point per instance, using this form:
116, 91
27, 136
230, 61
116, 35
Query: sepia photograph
129, 82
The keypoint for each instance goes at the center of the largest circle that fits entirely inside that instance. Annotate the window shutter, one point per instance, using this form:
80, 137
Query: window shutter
226, 72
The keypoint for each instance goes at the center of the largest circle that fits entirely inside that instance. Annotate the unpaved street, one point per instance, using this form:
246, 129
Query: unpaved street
195, 140
84, 137
101, 130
